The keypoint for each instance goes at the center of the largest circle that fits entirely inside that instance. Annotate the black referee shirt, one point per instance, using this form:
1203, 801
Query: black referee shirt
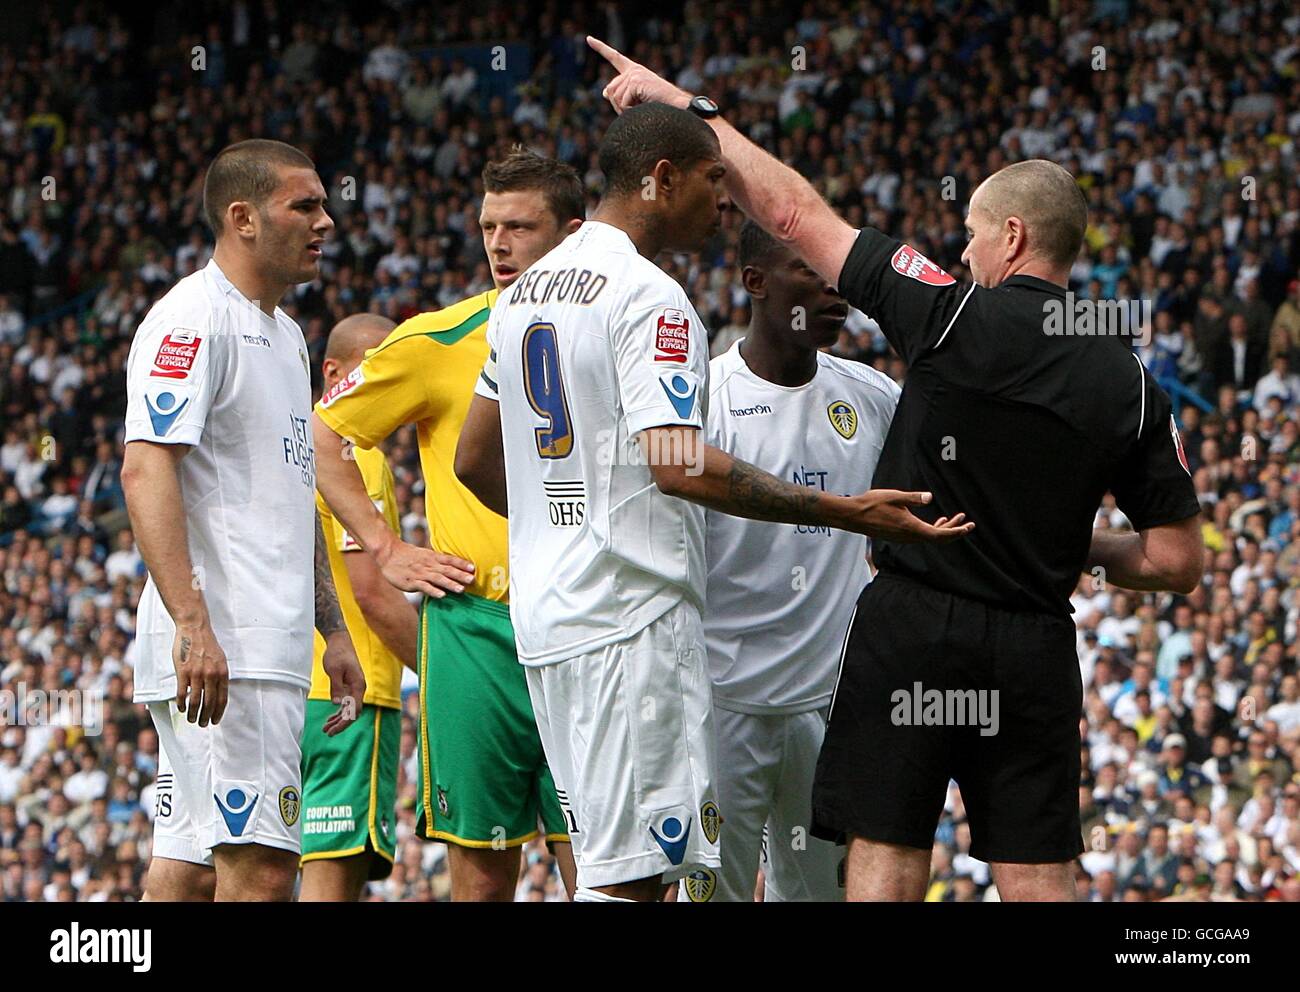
1023, 430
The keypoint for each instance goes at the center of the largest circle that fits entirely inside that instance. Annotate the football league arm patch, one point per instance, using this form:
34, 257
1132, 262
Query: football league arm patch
169, 385
913, 299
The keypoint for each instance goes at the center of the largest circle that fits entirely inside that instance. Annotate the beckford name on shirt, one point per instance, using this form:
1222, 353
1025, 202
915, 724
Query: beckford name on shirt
577, 286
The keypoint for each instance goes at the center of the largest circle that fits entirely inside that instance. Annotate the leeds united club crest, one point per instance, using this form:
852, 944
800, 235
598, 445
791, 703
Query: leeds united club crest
290, 801
843, 418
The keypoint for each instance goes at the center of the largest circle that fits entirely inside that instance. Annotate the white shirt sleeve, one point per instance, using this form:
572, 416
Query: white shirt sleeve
713, 426
486, 385
661, 354
172, 376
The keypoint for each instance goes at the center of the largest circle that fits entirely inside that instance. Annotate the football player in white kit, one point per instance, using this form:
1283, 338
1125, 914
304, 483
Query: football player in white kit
591, 407
219, 476
780, 596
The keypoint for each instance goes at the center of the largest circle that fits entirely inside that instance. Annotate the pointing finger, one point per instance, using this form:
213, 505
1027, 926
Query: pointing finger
611, 55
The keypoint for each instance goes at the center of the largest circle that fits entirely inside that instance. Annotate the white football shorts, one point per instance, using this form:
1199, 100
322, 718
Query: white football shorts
766, 764
238, 782
628, 734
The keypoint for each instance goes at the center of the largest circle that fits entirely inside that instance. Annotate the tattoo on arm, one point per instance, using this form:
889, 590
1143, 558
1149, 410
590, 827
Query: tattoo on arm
328, 616
760, 496
186, 644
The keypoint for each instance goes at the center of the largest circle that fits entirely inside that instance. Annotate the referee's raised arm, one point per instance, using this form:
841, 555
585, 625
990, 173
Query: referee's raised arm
913, 312
778, 199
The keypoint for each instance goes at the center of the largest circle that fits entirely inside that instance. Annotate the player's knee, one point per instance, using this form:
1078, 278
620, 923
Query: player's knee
484, 875
204, 886
272, 884
255, 873
490, 890
492, 882
334, 880
1034, 882
879, 871
175, 881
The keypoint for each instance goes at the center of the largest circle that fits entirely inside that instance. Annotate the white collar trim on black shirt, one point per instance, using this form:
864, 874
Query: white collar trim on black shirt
1142, 408
955, 316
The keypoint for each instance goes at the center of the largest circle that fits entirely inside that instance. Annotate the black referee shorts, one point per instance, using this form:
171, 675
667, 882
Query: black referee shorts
937, 687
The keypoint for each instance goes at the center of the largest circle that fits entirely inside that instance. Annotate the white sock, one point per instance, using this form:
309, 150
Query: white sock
591, 895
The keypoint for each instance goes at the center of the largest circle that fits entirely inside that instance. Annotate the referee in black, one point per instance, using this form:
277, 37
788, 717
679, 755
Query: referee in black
961, 663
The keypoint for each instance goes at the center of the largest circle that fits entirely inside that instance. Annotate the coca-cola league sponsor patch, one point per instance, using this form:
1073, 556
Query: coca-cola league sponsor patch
176, 354
907, 261
672, 336
354, 378
1178, 444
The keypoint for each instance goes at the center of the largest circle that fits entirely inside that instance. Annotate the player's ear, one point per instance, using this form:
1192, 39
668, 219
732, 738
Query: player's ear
572, 226
239, 219
755, 282
1014, 231
663, 178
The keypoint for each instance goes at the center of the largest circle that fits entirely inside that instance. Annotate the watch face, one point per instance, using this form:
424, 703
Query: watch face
704, 104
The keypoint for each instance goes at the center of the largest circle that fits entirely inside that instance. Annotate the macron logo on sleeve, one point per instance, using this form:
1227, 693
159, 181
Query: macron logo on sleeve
163, 411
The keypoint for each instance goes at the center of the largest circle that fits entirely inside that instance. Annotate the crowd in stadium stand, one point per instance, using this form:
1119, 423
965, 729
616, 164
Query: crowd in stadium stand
1181, 122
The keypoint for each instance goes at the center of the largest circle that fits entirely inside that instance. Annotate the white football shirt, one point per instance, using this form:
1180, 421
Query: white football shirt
781, 595
209, 369
590, 346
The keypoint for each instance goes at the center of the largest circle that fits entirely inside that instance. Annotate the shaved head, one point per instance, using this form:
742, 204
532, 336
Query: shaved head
247, 170
1046, 199
353, 336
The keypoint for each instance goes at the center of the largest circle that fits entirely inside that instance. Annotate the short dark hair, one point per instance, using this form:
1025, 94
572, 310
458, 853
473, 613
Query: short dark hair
557, 181
756, 246
246, 170
647, 133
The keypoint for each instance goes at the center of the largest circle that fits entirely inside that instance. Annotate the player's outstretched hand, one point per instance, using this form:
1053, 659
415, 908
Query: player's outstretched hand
415, 569
884, 513
347, 681
635, 83
202, 678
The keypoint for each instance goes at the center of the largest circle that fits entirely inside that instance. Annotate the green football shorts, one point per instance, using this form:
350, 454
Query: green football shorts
483, 779
349, 786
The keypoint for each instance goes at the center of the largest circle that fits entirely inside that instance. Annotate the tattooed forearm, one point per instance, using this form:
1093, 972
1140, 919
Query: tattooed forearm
328, 616
754, 493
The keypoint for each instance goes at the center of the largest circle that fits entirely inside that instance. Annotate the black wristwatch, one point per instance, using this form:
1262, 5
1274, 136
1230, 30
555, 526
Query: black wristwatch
702, 106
